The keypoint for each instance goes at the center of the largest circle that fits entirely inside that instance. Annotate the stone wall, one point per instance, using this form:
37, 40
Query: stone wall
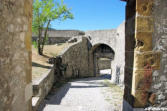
118, 62
76, 57
54, 40
159, 42
15, 55
104, 64
80, 60
114, 38
148, 68
41, 88
59, 36
107, 37
62, 33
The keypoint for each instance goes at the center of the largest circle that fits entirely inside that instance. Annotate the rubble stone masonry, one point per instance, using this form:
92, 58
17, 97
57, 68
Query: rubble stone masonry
148, 46
15, 55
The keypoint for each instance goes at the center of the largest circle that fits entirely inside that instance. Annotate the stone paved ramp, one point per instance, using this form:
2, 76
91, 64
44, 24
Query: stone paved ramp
88, 94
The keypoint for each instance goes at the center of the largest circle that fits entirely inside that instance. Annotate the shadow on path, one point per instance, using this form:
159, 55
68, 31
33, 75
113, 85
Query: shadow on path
55, 97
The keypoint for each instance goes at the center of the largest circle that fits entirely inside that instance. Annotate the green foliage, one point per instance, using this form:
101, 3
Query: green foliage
34, 44
45, 12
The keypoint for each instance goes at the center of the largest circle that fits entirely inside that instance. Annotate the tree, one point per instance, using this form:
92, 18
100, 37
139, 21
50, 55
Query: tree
45, 12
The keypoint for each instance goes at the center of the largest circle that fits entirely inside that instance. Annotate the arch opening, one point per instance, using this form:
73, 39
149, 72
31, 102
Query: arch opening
103, 55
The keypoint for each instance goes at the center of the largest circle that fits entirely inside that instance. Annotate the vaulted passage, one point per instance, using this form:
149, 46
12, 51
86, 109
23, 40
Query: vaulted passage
102, 58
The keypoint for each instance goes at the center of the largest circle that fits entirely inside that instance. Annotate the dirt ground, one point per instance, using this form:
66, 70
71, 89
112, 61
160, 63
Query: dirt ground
40, 63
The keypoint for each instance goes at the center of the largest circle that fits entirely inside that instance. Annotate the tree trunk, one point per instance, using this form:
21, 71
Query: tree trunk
39, 36
39, 41
45, 35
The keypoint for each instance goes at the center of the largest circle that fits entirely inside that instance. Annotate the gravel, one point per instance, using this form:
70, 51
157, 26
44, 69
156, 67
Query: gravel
88, 94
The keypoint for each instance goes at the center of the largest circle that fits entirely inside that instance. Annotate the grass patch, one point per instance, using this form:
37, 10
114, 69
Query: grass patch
113, 86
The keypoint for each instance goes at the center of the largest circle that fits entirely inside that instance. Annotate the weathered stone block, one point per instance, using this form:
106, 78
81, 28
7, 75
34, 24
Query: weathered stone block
147, 58
143, 80
157, 86
143, 41
144, 7
144, 63
155, 73
141, 98
163, 78
161, 97
163, 104
144, 24
152, 98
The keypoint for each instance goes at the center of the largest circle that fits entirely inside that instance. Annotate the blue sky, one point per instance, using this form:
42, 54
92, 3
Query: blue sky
93, 15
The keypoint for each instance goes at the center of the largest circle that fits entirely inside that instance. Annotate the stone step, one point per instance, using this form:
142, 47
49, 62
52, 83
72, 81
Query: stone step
35, 103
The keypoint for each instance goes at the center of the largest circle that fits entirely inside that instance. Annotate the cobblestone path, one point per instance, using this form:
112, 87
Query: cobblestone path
88, 94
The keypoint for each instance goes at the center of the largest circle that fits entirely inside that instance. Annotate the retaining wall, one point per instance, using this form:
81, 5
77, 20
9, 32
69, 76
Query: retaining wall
41, 88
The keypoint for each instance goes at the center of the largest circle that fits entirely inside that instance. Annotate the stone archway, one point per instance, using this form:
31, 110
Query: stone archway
103, 54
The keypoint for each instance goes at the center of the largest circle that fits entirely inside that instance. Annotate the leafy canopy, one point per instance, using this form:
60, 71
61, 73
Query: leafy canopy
49, 10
